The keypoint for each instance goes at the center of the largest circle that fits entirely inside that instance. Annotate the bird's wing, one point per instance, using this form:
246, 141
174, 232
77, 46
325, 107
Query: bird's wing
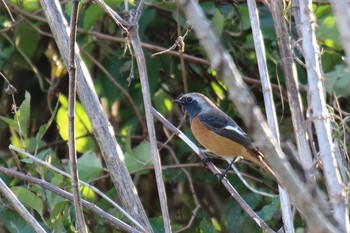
226, 127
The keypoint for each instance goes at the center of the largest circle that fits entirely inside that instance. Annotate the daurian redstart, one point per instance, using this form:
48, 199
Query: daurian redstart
219, 133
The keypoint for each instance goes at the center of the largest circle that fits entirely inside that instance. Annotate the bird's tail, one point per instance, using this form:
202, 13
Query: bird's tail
258, 159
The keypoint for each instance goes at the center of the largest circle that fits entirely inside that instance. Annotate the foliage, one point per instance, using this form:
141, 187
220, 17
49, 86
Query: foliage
32, 63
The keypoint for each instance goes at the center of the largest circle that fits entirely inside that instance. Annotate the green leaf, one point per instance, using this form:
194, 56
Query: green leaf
327, 30
139, 157
29, 5
330, 59
43, 128
20, 123
23, 116
13, 222
225, 9
89, 166
91, 16
244, 14
206, 227
82, 126
28, 46
218, 21
338, 81
157, 225
28, 198
163, 102
267, 212
10, 122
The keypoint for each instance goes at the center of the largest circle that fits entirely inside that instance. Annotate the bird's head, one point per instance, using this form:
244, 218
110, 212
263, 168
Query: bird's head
195, 103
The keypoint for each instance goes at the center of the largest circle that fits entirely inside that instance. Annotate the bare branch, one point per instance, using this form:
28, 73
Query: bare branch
80, 223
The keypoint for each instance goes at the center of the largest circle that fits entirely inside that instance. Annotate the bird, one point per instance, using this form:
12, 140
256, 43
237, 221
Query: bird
219, 133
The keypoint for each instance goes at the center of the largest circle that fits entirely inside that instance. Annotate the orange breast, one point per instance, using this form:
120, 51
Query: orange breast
219, 145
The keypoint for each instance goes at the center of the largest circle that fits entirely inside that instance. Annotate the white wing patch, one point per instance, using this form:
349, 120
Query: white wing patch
237, 130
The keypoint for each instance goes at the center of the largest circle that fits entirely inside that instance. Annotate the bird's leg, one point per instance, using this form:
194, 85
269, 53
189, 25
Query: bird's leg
222, 175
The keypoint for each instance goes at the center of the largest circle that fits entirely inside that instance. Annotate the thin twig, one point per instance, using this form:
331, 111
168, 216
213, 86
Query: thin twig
247, 184
140, 58
80, 221
104, 196
192, 190
46, 185
19, 207
8, 11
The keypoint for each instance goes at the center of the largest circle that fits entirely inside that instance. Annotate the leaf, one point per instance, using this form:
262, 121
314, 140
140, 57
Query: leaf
29, 5
139, 157
205, 227
23, 116
327, 30
20, 123
88, 194
157, 225
163, 102
28, 198
218, 21
89, 166
82, 126
267, 212
14, 222
28, 46
338, 81
43, 128
10, 122
330, 59
244, 14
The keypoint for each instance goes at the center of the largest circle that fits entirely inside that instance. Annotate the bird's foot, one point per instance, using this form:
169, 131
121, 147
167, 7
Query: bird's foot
207, 160
220, 176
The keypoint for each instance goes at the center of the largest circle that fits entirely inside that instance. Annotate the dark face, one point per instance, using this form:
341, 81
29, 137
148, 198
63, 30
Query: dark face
190, 103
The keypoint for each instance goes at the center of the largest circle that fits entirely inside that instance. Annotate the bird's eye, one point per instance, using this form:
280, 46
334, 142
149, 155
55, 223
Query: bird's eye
189, 99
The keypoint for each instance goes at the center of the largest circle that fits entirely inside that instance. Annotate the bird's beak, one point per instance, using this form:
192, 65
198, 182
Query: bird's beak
178, 101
